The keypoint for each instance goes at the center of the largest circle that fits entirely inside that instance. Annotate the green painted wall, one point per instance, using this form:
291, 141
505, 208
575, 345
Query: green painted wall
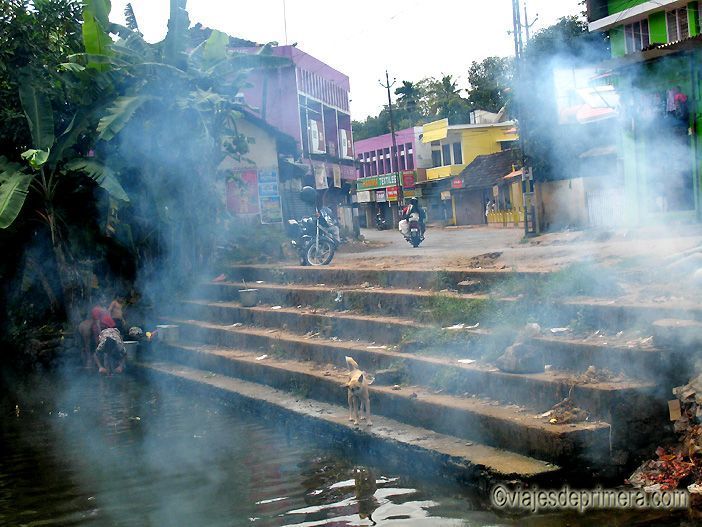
693, 12
616, 6
617, 42
657, 27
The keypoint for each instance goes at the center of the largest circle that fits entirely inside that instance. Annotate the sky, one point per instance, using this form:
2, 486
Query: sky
412, 39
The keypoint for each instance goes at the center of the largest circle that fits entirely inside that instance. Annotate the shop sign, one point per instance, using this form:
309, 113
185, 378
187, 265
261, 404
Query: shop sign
363, 196
380, 196
374, 182
495, 191
269, 198
408, 180
445, 195
392, 193
457, 183
412, 193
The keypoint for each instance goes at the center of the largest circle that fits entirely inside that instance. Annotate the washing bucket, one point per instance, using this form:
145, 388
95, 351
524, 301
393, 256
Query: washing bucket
131, 347
248, 297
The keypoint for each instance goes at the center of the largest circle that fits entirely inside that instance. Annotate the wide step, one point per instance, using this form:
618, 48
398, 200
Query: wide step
450, 456
467, 417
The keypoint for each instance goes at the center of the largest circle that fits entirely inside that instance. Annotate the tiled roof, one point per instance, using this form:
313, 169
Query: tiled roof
486, 171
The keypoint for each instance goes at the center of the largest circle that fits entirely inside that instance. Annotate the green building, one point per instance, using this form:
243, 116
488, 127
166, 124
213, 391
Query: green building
655, 68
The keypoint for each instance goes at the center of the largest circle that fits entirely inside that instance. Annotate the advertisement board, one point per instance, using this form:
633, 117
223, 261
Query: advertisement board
242, 193
391, 193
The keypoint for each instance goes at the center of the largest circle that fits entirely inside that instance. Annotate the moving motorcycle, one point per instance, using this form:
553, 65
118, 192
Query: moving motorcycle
315, 238
412, 230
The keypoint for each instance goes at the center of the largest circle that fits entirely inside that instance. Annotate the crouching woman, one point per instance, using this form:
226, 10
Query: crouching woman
110, 354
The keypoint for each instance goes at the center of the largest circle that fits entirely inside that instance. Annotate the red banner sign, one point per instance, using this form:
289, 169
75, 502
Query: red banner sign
392, 193
457, 183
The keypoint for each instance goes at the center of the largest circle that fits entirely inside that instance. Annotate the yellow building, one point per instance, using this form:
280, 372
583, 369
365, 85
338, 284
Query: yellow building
453, 148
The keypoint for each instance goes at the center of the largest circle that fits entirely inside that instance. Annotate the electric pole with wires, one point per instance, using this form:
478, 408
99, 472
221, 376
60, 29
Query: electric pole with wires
528, 189
394, 154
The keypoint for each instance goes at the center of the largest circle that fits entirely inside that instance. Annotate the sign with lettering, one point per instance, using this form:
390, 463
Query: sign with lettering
457, 182
374, 182
408, 179
392, 193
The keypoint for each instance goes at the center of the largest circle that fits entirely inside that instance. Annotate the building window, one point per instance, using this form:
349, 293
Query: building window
446, 153
637, 36
402, 158
436, 158
678, 27
409, 151
457, 154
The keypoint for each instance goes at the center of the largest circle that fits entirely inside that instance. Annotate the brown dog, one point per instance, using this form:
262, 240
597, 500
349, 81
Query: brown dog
359, 399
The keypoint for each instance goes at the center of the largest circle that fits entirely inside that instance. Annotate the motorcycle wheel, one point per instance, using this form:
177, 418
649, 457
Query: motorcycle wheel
320, 254
415, 240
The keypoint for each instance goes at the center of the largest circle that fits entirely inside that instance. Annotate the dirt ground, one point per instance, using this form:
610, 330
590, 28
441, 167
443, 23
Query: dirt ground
496, 248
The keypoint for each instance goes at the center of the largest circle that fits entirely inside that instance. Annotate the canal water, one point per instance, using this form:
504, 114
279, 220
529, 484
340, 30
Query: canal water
83, 450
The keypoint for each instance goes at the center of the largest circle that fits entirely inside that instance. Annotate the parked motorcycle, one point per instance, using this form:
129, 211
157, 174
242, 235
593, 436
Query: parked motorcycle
315, 238
381, 223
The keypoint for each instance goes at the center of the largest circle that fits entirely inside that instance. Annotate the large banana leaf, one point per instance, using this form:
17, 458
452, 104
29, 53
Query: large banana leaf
118, 116
96, 38
37, 108
14, 186
68, 138
215, 48
101, 174
177, 39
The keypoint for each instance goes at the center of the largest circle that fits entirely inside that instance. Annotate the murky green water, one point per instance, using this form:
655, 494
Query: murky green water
118, 451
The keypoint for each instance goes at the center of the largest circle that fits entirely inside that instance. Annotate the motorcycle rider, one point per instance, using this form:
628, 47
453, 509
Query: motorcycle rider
413, 207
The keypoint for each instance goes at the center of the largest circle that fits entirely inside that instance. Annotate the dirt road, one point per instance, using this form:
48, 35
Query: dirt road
505, 249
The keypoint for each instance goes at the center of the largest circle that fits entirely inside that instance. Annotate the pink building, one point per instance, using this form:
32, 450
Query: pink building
309, 101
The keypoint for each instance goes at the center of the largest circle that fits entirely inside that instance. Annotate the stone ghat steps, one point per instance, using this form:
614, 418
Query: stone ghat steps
561, 353
537, 391
472, 279
432, 453
469, 418
596, 313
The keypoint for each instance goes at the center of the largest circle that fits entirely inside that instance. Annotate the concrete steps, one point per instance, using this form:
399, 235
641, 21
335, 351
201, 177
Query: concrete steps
308, 319
562, 353
469, 418
394, 441
437, 279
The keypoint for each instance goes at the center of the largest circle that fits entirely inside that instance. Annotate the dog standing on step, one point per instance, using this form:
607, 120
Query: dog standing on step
359, 399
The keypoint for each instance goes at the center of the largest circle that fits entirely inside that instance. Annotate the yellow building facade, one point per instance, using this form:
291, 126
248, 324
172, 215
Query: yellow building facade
454, 147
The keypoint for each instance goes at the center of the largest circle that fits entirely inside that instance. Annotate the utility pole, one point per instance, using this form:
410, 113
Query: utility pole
528, 25
394, 154
527, 189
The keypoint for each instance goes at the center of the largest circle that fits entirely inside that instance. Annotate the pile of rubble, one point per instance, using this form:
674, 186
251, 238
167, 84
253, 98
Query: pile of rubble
679, 465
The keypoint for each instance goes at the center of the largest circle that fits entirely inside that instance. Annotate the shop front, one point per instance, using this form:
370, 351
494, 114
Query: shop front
378, 195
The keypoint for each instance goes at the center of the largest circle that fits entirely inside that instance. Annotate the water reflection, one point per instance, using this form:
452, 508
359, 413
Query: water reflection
111, 451
83, 450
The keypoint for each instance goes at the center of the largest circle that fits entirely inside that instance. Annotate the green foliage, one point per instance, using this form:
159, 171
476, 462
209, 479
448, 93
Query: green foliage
37, 109
101, 174
118, 115
489, 82
14, 187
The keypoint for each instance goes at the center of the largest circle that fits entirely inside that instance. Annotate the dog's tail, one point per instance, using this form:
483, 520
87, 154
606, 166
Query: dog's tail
352, 364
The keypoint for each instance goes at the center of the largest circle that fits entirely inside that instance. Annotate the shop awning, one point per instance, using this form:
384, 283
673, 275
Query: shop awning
599, 152
435, 131
513, 174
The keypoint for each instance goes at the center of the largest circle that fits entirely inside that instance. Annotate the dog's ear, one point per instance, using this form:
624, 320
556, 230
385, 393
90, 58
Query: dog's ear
360, 379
